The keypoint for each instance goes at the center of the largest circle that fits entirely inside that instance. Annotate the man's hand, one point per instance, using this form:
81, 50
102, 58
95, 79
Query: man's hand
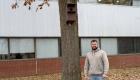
87, 78
105, 75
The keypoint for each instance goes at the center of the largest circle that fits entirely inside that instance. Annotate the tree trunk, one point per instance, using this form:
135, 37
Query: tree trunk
69, 44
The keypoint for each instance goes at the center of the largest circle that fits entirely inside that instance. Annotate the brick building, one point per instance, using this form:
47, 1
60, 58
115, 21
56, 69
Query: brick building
30, 40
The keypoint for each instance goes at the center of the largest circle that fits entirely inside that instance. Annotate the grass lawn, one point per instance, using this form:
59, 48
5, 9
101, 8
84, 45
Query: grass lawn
114, 74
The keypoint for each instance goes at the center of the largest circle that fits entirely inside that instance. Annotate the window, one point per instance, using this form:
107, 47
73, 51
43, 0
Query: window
105, 1
47, 48
116, 2
125, 45
85, 45
137, 45
21, 48
3, 46
88, 1
3, 49
128, 45
25, 48
136, 2
21, 45
123, 2
109, 45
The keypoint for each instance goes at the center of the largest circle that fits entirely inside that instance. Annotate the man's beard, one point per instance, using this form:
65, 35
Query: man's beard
94, 48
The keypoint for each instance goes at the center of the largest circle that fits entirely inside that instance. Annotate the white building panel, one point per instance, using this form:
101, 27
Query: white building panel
22, 22
94, 20
108, 20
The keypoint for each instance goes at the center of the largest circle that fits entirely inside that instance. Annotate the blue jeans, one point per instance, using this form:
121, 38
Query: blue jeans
96, 77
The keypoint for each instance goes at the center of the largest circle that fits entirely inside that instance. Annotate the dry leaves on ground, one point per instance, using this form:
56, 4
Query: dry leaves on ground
114, 74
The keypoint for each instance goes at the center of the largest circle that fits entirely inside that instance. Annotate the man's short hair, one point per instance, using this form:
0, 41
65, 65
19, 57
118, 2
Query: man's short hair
93, 41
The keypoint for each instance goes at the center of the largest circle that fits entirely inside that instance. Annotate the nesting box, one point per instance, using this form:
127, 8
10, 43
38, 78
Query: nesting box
71, 13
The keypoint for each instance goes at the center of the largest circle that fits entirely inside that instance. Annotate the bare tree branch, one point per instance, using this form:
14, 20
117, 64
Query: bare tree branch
29, 3
40, 6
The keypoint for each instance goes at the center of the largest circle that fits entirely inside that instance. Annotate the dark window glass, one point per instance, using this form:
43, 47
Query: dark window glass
22, 56
126, 45
137, 45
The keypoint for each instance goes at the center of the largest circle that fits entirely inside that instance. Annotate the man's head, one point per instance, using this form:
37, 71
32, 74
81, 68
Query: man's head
94, 44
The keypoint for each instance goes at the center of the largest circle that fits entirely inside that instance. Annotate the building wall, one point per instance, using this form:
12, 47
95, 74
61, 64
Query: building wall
98, 20
108, 20
50, 66
95, 21
29, 23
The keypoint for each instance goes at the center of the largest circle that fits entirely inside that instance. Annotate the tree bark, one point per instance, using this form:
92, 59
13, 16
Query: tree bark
69, 44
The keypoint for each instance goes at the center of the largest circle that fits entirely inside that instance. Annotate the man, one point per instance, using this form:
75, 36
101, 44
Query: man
96, 63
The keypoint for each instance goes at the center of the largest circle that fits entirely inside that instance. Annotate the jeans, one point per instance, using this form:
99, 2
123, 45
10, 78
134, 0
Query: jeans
96, 77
